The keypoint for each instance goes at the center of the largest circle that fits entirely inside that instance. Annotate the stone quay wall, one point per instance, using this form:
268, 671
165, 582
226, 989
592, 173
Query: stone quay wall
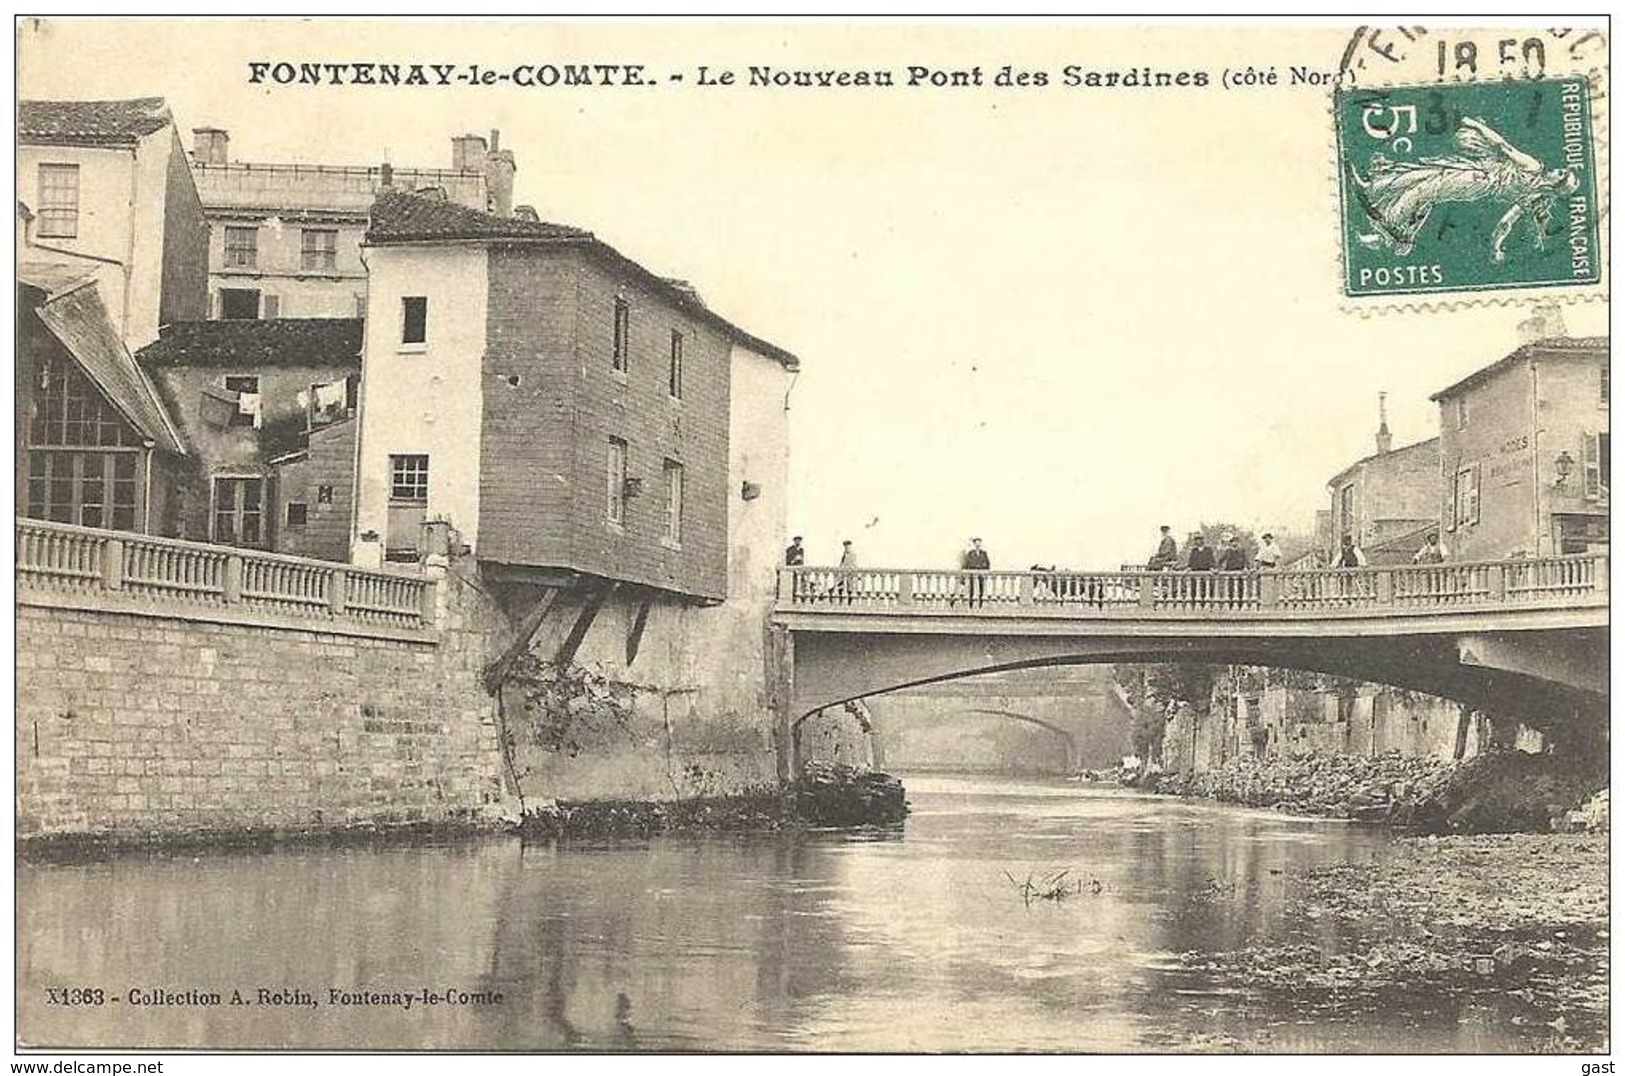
137, 726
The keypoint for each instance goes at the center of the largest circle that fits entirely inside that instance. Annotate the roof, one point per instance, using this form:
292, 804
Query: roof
247, 344
1431, 442
78, 319
54, 278
90, 123
1552, 345
400, 218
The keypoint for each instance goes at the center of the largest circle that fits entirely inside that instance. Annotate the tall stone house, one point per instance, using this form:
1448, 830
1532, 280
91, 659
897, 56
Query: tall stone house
103, 186
1523, 448
605, 453
285, 238
1387, 502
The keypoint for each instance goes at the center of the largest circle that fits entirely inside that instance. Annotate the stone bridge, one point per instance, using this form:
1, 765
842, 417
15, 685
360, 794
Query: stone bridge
1527, 637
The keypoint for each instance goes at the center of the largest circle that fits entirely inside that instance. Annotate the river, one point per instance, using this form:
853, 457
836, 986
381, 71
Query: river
791, 941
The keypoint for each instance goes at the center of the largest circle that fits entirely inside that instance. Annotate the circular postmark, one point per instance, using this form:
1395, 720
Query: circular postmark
1399, 55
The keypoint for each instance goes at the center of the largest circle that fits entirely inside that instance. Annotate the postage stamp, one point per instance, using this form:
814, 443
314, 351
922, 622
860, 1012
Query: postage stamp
1467, 187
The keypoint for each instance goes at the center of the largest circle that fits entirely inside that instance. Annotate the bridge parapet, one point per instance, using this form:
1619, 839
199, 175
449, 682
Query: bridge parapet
1566, 581
84, 567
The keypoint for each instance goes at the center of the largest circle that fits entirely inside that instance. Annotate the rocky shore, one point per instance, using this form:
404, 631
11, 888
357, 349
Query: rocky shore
826, 794
1510, 929
1498, 792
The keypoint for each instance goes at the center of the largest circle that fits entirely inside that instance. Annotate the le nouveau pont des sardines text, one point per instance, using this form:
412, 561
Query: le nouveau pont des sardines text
565, 76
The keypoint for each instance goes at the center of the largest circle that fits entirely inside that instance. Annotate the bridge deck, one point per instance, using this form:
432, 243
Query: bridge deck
1573, 581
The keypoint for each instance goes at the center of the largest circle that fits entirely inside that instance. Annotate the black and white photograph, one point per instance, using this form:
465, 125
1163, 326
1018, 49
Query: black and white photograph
810, 535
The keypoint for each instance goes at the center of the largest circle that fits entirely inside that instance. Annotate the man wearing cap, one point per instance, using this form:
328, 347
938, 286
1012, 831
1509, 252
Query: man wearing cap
795, 555
975, 560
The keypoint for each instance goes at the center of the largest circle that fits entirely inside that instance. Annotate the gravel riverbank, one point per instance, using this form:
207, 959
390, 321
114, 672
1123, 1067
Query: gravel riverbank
1509, 929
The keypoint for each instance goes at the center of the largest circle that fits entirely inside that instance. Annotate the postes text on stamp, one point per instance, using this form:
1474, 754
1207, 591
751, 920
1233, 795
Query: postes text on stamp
1467, 187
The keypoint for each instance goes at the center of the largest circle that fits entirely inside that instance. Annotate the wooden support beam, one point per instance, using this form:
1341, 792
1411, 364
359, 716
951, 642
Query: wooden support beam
578, 633
498, 671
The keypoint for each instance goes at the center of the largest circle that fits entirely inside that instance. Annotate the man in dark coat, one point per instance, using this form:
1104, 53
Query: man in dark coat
976, 560
1232, 558
1200, 557
1167, 554
795, 555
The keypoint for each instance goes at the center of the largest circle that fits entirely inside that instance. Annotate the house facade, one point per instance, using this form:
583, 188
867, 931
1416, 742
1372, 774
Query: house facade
1388, 501
106, 188
94, 446
564, 409
285, 238
267, 412
609, 456
1523, 450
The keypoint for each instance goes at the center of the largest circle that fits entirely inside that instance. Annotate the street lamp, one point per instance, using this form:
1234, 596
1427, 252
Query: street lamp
1565, 467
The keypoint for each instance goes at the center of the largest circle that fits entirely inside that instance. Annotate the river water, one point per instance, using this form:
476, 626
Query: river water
807, 941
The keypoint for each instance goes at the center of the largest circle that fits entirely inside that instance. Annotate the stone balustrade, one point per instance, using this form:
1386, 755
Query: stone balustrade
83, 567
1573, 580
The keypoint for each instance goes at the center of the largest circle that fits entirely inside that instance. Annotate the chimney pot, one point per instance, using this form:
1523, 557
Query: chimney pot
209, 145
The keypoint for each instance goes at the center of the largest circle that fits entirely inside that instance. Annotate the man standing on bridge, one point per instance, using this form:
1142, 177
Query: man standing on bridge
1167, 554
975, 560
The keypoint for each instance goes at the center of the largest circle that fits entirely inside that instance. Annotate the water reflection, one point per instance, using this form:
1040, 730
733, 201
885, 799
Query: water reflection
915, 940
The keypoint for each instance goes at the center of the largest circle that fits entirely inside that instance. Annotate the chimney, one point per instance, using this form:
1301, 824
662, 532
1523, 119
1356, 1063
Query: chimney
1544, 322
467, 153
209, 145
1385, 440
499, 172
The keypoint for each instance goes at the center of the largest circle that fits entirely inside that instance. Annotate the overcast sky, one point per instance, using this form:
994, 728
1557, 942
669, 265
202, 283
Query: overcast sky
1054, 318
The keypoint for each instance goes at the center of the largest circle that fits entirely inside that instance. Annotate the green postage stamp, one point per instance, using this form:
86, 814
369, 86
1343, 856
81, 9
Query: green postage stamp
1468, 187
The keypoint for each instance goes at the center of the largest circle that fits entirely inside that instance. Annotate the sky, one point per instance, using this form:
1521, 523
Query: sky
1053, 318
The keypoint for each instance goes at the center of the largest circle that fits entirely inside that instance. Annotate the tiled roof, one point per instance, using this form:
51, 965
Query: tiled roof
410, 218
247, 344
413, 218
1551, 345
113, 123
54, 278
78, 319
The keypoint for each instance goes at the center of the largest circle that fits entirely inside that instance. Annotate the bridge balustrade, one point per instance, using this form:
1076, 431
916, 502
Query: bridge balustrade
144, 573
1572, 579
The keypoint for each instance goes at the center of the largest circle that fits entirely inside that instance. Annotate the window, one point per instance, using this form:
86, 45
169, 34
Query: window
409, 478
59, 200
239, 304
1465, 502
239, 511
615, 479
248, 400
623, 335
414, 319
1461, 412
242, 247
324, 494
70, 411
1345, 509
1602, 385
674, 379
1594, 449
674, 501
298, 513
319, 249
92, 489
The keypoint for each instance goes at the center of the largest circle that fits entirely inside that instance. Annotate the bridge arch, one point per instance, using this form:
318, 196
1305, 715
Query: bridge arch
835, 668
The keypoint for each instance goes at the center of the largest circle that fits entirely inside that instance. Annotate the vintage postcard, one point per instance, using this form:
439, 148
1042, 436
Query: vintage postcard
817, 536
